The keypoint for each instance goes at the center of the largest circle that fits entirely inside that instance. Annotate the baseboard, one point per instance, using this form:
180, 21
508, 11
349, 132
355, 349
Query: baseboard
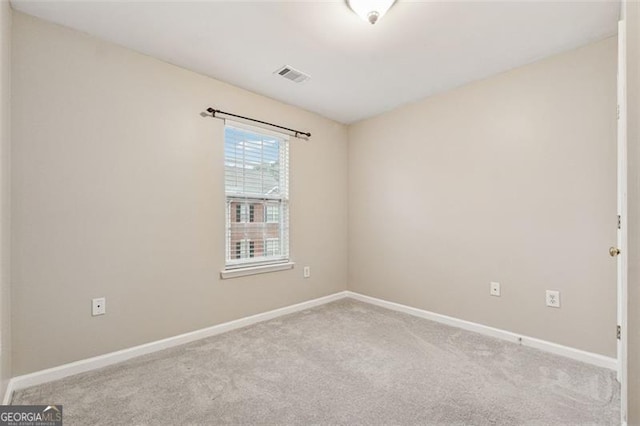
77, 367
566, 351
73, 368
8, 393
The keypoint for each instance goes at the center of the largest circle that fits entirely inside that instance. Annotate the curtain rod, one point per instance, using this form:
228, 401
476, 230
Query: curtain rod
296, 132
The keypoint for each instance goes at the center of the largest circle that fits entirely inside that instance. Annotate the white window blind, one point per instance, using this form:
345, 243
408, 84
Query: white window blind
256, 165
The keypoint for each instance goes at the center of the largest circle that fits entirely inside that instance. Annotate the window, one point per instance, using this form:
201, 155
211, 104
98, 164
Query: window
257, 191
271, 246
272, 213
244, 249
242, 212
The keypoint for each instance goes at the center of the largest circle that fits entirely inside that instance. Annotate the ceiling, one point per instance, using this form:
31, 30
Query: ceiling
357, 70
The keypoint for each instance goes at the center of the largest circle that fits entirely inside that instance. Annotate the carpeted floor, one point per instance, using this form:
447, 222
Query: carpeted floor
342, 363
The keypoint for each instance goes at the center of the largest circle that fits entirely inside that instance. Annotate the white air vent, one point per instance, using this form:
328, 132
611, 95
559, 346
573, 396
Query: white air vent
292, 74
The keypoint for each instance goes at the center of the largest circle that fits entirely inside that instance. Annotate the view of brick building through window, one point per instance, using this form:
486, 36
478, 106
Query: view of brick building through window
254, 229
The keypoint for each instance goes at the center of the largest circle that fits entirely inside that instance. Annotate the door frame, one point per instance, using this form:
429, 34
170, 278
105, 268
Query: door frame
622, 258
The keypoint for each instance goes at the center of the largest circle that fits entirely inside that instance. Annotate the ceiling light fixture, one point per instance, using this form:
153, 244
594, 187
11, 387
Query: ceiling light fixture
370, 10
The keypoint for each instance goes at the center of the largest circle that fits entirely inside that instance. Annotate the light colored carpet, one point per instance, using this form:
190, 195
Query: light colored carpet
342, 363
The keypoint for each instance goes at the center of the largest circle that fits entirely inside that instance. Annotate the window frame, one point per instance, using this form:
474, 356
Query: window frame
247, 205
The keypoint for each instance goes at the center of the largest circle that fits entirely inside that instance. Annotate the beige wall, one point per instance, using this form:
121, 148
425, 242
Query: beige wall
118, 192
632, 18
511, 179
5, 118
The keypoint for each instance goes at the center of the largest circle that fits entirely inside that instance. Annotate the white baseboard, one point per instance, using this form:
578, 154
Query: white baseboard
8, 393
554, 348
66, 370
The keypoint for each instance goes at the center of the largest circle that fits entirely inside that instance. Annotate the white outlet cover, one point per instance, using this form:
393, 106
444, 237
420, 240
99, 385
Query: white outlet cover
494, 289
98, 306
553, 298
306, 271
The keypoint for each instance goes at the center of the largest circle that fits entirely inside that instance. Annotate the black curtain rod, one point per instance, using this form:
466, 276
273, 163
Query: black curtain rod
296, 132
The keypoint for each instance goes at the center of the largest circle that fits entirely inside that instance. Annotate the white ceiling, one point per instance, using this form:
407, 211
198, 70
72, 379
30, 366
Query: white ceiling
357, 70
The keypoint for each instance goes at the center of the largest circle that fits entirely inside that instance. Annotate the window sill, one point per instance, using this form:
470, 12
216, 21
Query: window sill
254, 270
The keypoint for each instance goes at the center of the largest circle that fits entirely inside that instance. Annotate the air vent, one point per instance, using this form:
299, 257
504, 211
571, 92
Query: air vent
292, 74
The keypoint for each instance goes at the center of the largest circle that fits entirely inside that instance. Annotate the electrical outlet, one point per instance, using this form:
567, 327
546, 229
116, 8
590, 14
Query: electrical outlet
98, 306
494, 289
306, 271
553, 298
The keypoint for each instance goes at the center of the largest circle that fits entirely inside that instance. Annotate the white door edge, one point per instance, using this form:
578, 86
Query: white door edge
622, 211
